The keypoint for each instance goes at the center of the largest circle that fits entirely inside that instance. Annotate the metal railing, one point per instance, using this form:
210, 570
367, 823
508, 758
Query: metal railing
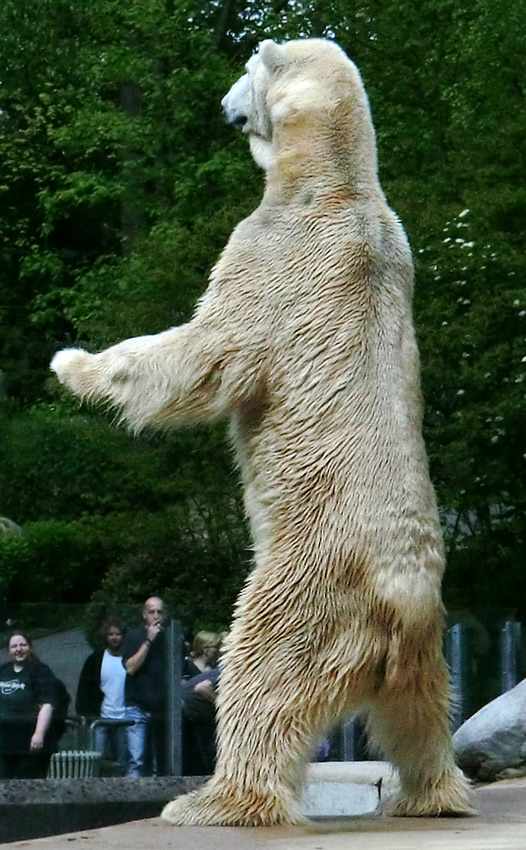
107, 724
74, 764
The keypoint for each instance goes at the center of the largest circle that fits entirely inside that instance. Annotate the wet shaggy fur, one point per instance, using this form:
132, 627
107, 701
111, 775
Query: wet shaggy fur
304, 340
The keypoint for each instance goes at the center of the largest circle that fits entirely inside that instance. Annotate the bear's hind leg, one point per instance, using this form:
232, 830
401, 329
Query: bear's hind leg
409, 723
223, 803
266, 734
262, 748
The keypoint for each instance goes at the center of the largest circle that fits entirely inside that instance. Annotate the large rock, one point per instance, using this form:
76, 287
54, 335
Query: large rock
492, 744
8, 526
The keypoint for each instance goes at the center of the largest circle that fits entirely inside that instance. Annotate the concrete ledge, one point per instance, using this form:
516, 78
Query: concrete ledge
342, 789
34, 808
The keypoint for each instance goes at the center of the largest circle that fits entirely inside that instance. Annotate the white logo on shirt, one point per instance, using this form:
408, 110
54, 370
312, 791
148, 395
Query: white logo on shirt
8, 688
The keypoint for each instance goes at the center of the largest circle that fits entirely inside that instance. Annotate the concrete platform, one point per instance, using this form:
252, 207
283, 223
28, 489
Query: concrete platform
500, 825
340, 789
32, 809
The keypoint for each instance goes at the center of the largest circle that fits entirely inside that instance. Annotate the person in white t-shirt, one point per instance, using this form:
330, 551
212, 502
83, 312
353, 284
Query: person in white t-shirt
100, 693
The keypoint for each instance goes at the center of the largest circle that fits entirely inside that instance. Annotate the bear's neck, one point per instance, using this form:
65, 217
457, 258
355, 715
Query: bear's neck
335, 159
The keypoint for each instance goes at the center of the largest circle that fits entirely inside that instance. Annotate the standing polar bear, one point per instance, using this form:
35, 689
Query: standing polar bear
304, 340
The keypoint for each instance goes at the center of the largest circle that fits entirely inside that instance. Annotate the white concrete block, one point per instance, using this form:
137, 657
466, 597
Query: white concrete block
341, 789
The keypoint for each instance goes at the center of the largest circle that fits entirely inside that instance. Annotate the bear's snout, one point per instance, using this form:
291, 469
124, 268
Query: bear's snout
234, 104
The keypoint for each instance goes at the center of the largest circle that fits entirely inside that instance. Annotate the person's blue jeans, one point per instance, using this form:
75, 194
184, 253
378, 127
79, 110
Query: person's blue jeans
112, 741
138, 735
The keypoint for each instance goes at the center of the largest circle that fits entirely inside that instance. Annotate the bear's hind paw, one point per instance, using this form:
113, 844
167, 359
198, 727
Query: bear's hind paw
206, 808
450, 796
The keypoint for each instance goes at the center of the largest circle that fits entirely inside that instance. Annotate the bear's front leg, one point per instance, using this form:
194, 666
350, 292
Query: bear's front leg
116, 377
167, 378
192, 373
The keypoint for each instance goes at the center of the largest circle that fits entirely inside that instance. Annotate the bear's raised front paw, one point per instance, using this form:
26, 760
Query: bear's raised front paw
206, 808
65, 361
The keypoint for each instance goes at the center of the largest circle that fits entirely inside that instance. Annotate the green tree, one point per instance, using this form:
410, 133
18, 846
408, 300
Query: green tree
120, 185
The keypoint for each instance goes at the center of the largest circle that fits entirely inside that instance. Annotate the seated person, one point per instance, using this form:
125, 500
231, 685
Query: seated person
204, 654
199, 723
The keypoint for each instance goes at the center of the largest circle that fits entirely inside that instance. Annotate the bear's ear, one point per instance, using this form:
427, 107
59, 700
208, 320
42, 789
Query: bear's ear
272, 55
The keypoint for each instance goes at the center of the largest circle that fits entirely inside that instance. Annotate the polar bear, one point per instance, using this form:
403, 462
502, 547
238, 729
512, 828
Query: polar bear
304, 340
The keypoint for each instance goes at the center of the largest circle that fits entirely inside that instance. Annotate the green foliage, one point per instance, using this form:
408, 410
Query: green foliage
95, 502
474, 372
119, 185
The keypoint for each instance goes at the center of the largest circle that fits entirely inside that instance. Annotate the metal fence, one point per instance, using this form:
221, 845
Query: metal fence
480, 673
74, 764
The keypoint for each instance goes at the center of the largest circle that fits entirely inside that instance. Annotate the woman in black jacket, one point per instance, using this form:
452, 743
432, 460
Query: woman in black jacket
100, 692
28, 694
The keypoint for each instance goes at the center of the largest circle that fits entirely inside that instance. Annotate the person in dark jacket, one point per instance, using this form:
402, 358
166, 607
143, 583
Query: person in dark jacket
203, 655
144, 658
199, 723
100, 693
28, 695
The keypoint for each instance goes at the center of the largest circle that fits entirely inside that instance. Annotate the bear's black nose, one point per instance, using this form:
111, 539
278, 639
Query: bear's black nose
231, 117
239, 121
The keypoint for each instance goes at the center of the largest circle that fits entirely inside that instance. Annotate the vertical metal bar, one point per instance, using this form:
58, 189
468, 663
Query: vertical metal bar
348, 740
174, 675
455, 654
510, 637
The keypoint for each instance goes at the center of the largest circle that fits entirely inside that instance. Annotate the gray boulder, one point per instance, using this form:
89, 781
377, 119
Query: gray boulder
8, 526
492, 744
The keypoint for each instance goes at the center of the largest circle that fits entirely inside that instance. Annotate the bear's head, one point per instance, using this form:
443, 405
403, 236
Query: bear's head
309, 83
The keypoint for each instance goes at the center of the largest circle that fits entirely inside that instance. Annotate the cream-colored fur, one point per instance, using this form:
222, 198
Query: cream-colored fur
304, 339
